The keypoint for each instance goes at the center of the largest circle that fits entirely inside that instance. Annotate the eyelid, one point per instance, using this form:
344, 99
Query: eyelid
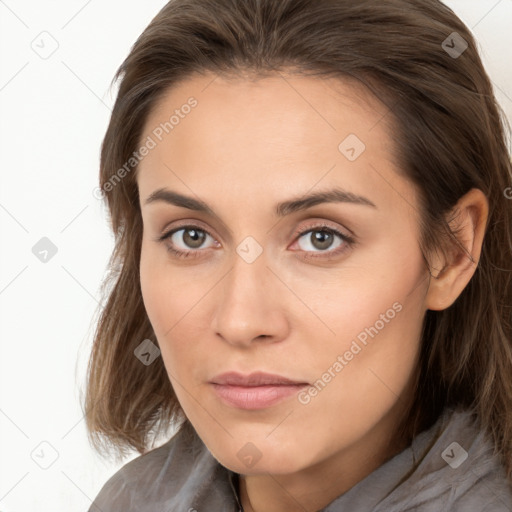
190, 225
349, 240
323, 224
300, 230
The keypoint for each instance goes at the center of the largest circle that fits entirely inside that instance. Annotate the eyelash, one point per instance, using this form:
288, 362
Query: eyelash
348, 241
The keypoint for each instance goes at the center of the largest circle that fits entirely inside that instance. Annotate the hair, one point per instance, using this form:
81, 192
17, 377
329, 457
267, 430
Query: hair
450, 136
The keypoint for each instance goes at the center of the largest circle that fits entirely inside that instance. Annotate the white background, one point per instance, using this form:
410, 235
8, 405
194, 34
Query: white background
54, 113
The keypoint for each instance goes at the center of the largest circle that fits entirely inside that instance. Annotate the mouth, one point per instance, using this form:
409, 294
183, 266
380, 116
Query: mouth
258, 390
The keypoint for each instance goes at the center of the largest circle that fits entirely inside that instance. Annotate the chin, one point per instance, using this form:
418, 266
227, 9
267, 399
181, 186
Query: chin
262, 467
254, 458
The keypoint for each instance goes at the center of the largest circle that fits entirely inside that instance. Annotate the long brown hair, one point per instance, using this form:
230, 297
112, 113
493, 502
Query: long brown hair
450, 137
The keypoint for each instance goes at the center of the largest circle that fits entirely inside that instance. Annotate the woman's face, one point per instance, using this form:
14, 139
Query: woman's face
326, 293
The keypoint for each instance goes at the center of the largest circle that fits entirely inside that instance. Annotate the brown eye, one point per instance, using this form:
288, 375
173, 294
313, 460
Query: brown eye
192, 237
321, 239
189, 237
186, 241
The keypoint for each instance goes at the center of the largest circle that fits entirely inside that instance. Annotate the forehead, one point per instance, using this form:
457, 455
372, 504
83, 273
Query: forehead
271, 103
283, 132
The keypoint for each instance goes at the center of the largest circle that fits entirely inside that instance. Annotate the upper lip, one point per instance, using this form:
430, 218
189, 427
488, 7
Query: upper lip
253, 379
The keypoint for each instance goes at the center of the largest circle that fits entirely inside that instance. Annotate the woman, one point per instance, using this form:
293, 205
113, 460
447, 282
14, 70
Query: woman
312, 271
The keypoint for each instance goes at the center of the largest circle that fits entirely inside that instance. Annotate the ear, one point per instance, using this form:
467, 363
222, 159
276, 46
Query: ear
470, 219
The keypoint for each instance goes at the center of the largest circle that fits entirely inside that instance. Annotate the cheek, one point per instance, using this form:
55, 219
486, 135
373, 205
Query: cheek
360, 373
155, 300
165, 299
171, 304
379, 290
371, 327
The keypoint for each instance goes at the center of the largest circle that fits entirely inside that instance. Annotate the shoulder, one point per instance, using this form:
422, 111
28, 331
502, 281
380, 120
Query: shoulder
172, 477
457, 470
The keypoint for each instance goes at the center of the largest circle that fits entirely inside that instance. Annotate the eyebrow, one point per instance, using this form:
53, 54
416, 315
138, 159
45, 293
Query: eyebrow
282, 209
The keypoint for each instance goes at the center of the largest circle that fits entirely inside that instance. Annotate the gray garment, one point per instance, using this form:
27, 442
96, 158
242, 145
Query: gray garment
431, 475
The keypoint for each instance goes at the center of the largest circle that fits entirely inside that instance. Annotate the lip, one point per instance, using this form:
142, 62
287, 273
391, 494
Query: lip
257, 390
253, 379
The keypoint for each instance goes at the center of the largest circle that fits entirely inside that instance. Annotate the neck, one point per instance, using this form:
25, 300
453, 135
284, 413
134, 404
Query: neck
313, 488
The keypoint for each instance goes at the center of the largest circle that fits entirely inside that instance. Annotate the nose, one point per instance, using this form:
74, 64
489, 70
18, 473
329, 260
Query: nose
250, 305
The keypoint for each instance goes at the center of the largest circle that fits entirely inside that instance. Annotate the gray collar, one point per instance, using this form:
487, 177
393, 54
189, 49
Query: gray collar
449, 465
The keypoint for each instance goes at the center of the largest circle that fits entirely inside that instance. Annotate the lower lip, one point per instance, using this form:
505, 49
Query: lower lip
255, 397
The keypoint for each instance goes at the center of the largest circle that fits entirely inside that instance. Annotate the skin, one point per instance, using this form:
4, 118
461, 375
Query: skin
245, 147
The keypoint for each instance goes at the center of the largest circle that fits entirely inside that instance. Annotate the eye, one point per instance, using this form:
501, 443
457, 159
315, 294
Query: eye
324, 240
186, 237
186, 240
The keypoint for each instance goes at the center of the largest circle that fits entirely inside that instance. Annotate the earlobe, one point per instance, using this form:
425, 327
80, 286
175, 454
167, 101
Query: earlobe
469, 221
